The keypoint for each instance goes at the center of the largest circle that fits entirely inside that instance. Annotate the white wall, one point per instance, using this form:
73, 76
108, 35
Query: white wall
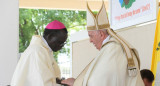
142, 38
8, 39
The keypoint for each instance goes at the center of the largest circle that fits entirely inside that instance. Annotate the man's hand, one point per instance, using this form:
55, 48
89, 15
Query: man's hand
68, 81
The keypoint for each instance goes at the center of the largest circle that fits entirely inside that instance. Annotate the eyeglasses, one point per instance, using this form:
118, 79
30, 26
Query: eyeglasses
62, 44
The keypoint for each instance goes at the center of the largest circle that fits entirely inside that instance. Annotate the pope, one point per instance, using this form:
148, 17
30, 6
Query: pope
116, 64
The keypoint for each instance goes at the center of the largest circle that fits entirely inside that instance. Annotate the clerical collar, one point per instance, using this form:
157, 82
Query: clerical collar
106, 40
46, 44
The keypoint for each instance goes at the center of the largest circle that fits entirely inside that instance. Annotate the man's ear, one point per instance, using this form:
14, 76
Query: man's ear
145, 80
101, 34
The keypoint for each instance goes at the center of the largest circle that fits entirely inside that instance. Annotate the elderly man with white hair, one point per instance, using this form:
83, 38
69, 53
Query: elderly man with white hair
117, 63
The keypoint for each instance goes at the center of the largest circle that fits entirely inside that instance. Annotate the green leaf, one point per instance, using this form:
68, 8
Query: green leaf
33, 21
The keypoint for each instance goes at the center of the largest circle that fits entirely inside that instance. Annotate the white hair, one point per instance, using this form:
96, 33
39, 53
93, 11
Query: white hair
103, 30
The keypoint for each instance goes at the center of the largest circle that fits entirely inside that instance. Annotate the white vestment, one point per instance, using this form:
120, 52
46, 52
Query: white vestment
36, 66
109, 68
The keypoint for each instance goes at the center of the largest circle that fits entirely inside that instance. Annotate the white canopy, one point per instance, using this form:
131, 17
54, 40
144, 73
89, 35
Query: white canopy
62, 4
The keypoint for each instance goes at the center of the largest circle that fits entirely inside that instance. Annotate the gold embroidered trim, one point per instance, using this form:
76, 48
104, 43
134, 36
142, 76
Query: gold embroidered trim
129, 59
99, 27
131, 62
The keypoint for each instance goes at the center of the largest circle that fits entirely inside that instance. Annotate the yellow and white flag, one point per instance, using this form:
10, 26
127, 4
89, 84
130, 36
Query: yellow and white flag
155, 67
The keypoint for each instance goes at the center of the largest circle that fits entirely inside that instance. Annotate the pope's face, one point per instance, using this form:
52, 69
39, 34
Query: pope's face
95, 38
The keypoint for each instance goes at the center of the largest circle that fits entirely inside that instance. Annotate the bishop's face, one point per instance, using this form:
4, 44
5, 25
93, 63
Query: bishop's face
56, 43
95, 38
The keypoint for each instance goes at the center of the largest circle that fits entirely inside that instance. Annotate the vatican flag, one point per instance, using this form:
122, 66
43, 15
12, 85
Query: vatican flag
155, 67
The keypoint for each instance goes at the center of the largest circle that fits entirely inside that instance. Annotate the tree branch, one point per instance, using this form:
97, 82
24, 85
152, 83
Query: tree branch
77, 25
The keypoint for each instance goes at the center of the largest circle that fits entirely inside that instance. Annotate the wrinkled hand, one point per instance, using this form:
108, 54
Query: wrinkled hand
68, 81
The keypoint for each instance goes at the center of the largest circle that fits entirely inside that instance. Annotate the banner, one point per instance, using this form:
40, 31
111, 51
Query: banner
125, 13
